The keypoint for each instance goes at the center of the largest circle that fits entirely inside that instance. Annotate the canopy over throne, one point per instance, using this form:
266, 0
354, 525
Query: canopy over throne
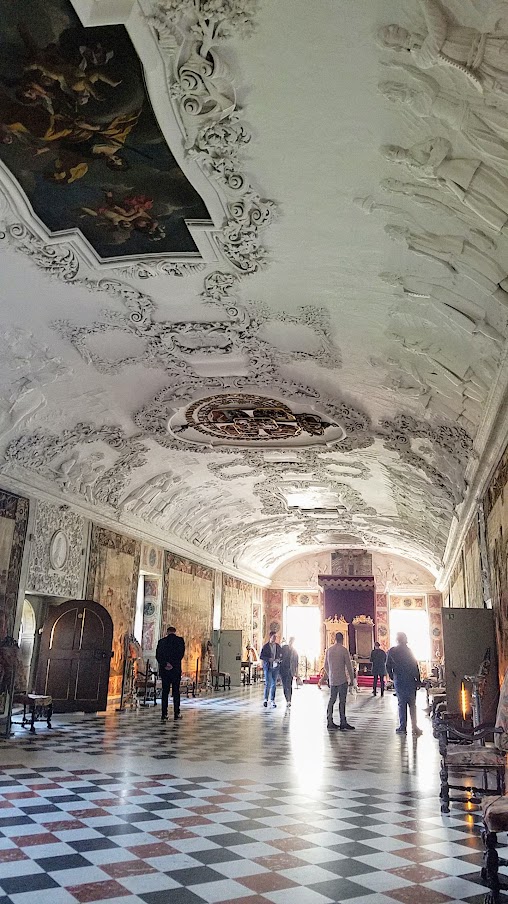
349, 603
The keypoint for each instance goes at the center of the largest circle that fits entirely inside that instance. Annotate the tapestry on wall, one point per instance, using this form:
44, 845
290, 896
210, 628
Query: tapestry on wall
187, 604
236, 613
113, 582
13, 525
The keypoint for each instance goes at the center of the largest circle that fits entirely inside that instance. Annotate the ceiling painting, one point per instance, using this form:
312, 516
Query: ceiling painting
79, 135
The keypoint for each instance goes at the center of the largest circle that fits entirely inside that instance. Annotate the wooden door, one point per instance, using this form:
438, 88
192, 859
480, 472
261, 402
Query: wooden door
75, 656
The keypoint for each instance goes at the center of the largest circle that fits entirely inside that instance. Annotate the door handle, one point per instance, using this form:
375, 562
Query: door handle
101, 654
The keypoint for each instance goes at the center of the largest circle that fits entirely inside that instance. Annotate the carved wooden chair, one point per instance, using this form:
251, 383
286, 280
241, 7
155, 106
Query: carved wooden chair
218, 676
146, 683
495, 809
467, 758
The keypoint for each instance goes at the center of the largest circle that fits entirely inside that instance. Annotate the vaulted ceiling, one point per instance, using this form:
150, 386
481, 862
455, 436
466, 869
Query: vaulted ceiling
239, 316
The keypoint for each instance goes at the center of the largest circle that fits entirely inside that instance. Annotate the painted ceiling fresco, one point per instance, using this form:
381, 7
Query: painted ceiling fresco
78, 132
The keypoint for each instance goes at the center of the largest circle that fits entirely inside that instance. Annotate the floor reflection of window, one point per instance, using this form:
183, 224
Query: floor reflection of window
415, 624
304, 624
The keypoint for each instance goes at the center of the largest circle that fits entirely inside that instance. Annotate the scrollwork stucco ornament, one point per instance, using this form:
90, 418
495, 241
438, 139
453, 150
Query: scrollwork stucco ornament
202, 89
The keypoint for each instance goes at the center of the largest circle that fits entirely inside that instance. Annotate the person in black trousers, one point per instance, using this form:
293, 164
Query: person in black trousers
378, 660
169, 654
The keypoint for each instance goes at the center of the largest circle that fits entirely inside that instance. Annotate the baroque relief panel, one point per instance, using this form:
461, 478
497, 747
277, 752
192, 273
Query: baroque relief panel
188, 604
13, 525
57, 548
113, 571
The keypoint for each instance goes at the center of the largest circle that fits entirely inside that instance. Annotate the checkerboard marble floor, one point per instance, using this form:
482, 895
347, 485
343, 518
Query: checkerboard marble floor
232, 804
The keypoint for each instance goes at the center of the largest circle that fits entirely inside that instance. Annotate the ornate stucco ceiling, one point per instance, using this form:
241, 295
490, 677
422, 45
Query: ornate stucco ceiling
238, 317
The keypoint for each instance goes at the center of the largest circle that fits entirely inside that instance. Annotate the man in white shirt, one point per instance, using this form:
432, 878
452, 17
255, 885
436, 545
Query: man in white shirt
338, 667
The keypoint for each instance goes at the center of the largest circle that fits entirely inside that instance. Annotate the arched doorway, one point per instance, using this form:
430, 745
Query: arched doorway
75, 656
26, 641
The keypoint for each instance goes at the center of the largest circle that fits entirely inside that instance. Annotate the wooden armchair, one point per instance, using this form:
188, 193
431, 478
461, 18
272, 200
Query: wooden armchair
472, 755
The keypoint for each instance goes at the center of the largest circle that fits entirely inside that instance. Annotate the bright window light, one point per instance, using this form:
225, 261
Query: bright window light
415, 624
304, 624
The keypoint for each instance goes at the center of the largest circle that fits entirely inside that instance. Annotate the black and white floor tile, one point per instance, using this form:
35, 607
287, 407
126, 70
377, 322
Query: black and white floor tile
232, 804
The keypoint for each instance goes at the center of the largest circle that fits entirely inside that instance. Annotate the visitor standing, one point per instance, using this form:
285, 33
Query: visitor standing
338, 667
403, 668
270, 657
288, 668
378, 660
169, 654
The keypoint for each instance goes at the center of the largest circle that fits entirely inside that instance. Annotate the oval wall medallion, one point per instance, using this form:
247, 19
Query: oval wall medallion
58, 550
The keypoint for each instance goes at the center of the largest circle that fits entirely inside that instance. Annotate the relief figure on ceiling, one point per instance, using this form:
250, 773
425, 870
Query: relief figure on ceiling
484, 127
476, 185
78, 132
481, 58
465, 256
459, 311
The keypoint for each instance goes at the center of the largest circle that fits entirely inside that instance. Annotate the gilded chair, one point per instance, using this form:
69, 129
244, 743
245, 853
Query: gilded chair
466, 758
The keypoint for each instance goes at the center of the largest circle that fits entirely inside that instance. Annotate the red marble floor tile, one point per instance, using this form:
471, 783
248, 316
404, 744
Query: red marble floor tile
279, 861
205, 808
191, 820
62, 779
148, 784
265, 882
8, 855
132, 792
32, 840
417, 873
64, 825
45, 786
419, 838
98, 891
251, 899
418, 894
84, 771
418, 855
291, 844
89, 813
299, 828
242, 781
126, 868
20, 795
148, 851
220, 798
5, 804
107, 802
173, 834
162, 776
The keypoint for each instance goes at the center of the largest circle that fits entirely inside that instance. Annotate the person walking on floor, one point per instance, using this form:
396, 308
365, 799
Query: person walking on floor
338, 667
403, 668
288, 668
270, 656
169, 654
378, 660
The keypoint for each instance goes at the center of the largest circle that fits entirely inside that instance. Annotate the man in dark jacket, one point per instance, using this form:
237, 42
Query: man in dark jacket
378, 660
403, 668
270, 657
170, 652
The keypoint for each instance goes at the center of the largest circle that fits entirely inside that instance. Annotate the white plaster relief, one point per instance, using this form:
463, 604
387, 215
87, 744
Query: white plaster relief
43, 576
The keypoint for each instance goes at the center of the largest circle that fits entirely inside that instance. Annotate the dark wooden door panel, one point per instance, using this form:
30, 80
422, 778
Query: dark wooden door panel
75, 656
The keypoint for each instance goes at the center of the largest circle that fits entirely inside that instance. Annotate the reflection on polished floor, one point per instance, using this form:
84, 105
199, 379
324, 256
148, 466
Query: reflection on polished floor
232, 804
